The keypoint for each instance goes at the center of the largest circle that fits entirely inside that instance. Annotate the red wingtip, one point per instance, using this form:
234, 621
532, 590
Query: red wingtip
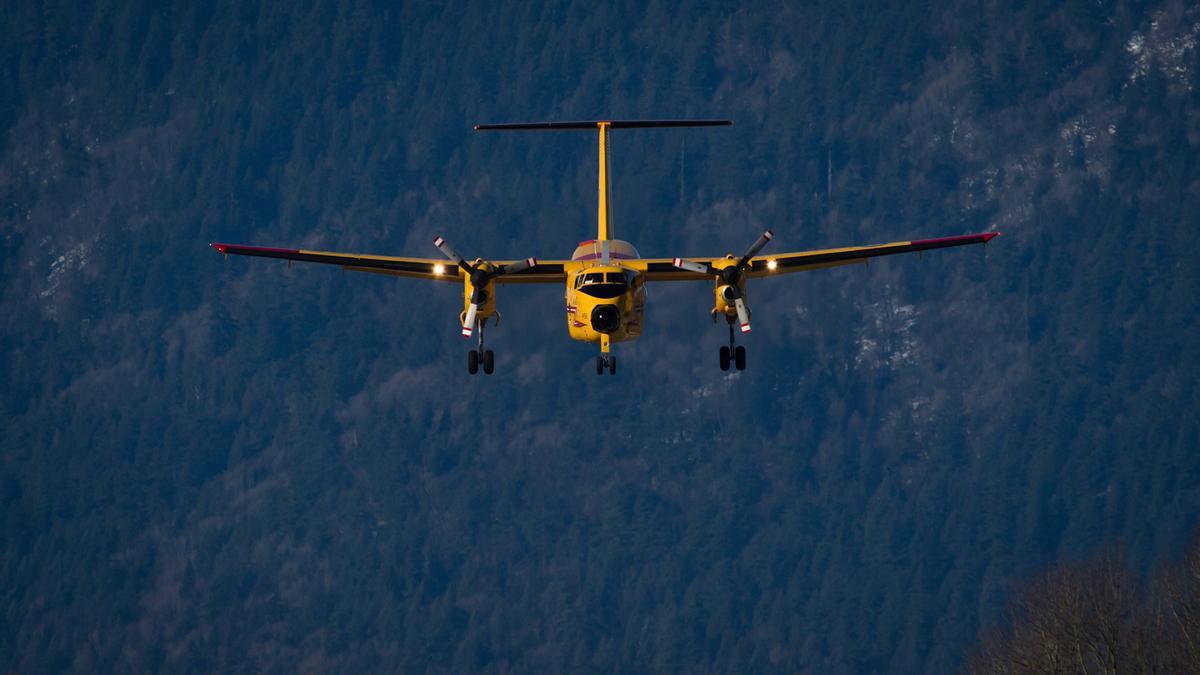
221, 248
990, 236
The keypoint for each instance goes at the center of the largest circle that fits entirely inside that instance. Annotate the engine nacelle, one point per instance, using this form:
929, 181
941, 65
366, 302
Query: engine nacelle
487, 304
724, 296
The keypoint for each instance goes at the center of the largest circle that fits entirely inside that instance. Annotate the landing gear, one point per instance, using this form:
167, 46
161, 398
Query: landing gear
733, 352
606, 362
476, 357
484, 358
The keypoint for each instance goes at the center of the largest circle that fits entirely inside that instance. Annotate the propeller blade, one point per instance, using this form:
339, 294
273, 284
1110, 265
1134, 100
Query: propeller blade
469, 323
449, 253
519, 266
690, 266
743, 314
756, 247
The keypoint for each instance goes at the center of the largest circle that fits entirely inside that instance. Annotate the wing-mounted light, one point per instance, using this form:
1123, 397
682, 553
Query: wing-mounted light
729, 278
479, 275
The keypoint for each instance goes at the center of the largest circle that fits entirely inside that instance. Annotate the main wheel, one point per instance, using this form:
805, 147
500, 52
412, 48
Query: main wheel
600, 365
472, 362
739, 357
724, 357
612, 365
489, 362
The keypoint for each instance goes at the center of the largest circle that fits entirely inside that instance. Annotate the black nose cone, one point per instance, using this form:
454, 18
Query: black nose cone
606, 319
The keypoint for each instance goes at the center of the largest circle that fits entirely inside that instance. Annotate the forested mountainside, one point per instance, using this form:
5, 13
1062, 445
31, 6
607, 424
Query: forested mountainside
214, 465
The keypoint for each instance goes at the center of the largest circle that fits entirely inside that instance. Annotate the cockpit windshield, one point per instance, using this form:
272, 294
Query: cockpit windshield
602, 285
605, 291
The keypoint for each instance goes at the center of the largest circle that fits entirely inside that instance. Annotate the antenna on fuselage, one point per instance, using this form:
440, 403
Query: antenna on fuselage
604, 201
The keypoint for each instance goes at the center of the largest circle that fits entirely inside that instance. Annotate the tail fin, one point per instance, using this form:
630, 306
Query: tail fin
604, 212
604, 200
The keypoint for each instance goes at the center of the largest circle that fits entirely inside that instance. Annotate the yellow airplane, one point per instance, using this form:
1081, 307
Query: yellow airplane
605, 278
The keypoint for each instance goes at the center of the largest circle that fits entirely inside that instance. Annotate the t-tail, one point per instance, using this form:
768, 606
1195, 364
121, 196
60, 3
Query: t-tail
604, 230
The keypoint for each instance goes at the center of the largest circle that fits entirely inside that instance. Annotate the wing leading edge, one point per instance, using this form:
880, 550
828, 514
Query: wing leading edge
555, 271
664, 269
549, 271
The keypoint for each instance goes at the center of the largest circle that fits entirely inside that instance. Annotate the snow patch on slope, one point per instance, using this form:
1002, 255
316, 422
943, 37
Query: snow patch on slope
1165, 46
886, 337
74, 259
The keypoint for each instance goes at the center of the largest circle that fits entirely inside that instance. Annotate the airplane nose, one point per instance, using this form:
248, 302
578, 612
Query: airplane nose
606, 318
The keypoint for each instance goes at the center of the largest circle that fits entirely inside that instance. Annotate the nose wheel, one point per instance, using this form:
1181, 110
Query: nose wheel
606, 362
734, 353
481, 357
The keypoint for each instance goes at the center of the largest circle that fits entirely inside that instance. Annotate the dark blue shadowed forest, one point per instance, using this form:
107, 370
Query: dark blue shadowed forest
233, 465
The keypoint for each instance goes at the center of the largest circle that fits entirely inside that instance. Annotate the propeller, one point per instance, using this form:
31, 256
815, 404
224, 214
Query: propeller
731, 276
480, 276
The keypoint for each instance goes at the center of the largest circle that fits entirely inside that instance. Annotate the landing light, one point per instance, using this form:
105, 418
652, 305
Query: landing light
439, 269
771, 264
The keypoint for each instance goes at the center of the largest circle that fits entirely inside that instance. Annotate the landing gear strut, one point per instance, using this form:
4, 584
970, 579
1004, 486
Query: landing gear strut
734, 353
481, 355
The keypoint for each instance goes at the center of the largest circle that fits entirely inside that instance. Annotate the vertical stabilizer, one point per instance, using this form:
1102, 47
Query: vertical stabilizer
604, 215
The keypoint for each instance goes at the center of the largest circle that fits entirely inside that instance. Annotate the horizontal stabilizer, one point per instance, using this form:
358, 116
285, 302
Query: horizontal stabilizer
594, 124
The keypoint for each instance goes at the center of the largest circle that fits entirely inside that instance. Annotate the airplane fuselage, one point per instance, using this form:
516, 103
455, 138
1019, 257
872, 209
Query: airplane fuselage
602, 297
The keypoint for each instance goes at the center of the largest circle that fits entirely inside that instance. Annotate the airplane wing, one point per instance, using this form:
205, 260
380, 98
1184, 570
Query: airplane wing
664, 269
436, 269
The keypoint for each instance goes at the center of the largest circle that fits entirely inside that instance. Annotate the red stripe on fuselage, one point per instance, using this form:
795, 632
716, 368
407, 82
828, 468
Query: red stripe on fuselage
611, 254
